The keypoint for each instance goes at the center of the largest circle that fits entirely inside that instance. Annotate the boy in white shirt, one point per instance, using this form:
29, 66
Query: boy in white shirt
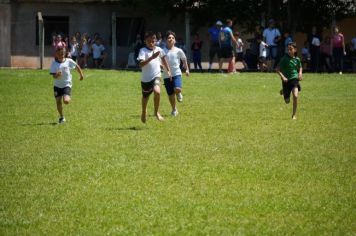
98, 50
173, 82
149, 59
60, 70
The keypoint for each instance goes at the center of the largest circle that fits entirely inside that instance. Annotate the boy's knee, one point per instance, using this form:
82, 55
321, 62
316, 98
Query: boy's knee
287, 100
177, 90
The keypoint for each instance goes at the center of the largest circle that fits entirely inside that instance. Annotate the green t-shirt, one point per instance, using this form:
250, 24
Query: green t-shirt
290, 66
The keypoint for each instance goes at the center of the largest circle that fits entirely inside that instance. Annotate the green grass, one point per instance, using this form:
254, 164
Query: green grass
232, 163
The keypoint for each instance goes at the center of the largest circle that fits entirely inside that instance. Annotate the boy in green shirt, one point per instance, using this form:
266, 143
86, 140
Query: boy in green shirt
290, 70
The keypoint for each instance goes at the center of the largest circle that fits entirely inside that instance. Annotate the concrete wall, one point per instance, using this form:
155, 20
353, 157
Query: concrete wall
90, 18
5, 35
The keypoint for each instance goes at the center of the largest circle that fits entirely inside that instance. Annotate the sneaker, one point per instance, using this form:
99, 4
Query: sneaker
61, 120
180, 97
174, 112
294, 117
281, 92
340, 73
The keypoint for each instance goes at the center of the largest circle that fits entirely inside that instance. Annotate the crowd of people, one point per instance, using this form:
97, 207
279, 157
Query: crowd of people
88, 52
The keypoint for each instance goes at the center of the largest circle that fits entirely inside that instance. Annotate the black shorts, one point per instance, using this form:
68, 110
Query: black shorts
239, 56
147, 87
226, 52
214, 50
60, 92
288, 87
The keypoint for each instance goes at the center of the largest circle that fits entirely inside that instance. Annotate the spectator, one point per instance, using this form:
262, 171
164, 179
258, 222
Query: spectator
99, 54
226, 40
239, 50
353, 53
214, 41
314, 40
74, 48
262, 66
58, 42
271, 36
325, 55
84, 52
287, 39
252, 54
137, 45
306, 55
338, 50
196, 49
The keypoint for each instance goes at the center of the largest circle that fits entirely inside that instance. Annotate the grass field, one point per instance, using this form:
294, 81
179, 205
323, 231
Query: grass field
232, 163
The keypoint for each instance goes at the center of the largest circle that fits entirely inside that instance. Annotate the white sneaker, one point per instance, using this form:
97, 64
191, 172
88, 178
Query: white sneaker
340, 73
180, 97
61, 120
174, 112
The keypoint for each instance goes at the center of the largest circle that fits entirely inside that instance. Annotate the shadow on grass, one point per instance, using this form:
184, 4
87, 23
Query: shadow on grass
41, 124
133, 128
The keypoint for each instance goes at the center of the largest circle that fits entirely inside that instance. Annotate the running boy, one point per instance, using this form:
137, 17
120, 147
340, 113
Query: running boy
60, 70
149, 59
173, 82
290, 70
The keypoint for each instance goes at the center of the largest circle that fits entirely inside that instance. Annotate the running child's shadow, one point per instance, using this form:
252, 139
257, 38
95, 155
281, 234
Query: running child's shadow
133, 128
41, 124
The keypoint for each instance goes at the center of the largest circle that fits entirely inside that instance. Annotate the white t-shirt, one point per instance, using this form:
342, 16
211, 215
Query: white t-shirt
316, 41
97, 50
85, 49
66, 79
173, 56
239, 46
263, 49
153, 68
270, 35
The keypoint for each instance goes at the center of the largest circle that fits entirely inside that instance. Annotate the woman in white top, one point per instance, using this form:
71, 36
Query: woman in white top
174, 84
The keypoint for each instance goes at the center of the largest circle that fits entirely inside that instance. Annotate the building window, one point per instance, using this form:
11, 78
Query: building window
53, 25
127, 29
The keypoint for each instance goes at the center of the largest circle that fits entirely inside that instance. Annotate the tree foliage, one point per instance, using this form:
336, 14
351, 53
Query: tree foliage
297, 15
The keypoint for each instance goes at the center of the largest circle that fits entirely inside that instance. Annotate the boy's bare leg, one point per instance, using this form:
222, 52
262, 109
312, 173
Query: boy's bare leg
172, 101
144, 109
59, 106
156, 100
295, 102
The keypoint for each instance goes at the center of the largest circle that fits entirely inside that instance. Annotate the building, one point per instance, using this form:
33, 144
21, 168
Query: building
19, 37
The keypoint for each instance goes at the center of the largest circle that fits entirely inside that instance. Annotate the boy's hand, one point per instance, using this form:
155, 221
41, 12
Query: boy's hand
81, 77
300, 77
284, 79
187, 72
58, 74
154, 55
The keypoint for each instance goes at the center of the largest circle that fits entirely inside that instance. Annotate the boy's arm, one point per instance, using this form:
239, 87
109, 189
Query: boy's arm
185, 63
283, 78
142, 63
80, 72
300, 74
166, 66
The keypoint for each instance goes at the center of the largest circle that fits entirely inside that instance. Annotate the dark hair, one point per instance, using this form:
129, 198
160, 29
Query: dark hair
228, 21
61, 49
170, 32
149, 34
293, 44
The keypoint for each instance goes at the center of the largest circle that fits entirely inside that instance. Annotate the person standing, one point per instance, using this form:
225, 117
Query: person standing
226, 41
173, 81
290, 71
150, 58
214, 41
271, 36
353, 51
196, 49
338, 50
314, 42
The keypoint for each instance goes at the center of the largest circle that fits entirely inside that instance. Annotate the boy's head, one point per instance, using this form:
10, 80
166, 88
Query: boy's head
60, 53
150, 39
171, 38
292, 49
237, 34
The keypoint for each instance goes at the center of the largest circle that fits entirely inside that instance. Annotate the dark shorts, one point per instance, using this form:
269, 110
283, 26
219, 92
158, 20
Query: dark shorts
98, 60
239, 56
288, 87
147, 87
226, 52
214, 50
171, 85
60, 92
